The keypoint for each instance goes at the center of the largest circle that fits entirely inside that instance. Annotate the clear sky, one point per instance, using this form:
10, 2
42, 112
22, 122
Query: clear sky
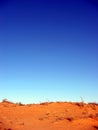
49, 50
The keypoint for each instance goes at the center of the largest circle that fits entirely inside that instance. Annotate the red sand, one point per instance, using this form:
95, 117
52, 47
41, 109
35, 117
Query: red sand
48, 116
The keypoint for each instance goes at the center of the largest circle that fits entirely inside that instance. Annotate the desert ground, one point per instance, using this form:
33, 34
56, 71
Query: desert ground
48, 116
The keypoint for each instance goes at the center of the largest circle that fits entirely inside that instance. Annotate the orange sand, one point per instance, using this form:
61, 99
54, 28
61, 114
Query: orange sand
49, 116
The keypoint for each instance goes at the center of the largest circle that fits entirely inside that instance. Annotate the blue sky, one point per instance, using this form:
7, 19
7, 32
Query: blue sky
48, 50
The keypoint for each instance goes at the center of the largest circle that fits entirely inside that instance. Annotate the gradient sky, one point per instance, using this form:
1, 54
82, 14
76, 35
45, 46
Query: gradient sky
49, 50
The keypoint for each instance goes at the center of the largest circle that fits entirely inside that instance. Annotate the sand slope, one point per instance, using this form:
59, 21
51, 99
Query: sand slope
48, 116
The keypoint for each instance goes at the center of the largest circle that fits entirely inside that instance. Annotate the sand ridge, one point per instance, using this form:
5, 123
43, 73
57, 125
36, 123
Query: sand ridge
48, 116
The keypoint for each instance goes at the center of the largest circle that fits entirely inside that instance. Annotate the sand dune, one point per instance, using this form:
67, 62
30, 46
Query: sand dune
48, 116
